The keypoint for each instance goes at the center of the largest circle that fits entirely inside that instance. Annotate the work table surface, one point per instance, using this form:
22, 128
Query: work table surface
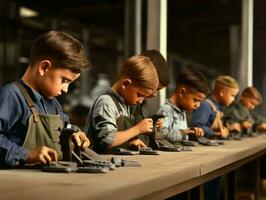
156, 173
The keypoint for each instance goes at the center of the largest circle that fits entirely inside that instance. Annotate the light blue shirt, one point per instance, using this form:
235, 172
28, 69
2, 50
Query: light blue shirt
174, 121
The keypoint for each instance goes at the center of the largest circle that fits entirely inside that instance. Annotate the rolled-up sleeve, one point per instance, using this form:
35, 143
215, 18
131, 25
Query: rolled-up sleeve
104, 121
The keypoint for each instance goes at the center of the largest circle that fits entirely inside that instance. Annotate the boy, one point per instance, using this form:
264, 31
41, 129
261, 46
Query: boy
109, 121
141, 111
241, 114
191, 89
209, 115
30, 116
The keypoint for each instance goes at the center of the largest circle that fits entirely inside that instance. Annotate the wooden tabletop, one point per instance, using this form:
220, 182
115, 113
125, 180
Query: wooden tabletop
168, 173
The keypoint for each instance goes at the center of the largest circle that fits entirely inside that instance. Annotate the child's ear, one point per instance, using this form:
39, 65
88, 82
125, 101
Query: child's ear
44, 66
221, 93
182, 91
126, 83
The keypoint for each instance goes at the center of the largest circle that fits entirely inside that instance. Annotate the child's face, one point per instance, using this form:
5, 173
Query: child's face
249, 102
55, 81
227, 95
135, 95
190, 100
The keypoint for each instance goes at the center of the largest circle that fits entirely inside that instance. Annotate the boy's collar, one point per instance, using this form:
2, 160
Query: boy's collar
174, 106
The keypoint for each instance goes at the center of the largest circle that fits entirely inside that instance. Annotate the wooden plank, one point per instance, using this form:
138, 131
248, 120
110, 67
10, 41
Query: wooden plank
159, 177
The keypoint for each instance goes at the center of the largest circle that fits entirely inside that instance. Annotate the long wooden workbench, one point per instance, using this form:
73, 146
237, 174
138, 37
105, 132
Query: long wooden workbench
159, 176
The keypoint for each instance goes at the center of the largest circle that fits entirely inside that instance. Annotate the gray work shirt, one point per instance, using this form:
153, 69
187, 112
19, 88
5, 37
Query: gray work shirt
101, 123
174, 121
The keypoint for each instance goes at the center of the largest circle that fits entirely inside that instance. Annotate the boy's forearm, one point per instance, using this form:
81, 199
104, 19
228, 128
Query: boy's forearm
123, 136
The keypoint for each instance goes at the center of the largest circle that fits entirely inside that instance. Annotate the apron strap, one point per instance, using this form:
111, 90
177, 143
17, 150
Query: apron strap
211, 104
218, 113
28, 100
115, 101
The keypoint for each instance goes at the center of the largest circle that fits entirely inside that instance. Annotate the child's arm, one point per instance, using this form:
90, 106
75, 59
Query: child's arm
260, 122
234, 127
232, 115
168, 129
104, 127
144, 126
202, 118
12, 111
79, 138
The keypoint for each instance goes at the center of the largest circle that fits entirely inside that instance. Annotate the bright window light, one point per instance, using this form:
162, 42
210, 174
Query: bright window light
26, 12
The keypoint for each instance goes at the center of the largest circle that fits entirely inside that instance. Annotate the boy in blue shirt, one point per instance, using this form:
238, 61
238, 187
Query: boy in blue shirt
30, 115
191, 88
209, 115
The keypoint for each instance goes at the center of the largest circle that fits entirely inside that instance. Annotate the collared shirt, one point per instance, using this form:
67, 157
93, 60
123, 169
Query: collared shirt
14, 116
204, 116
174, 121
238, 113
101, 124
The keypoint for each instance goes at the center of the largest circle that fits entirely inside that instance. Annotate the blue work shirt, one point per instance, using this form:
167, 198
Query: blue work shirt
204, 116
14, 116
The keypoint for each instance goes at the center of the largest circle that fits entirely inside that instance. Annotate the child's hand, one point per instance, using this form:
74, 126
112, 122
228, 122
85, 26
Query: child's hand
246, 124
160, 123
234, 127
42, 154
145, 125
224, 132
80, 139
187, 131
261, 127
137, 143
198, 131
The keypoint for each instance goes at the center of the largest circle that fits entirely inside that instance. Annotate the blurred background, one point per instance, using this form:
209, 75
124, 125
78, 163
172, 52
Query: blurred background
207, 34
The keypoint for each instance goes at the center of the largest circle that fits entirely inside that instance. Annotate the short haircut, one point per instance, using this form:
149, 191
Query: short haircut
252, 92
63, 49
141, 71
160, 64
226, 81
193, 79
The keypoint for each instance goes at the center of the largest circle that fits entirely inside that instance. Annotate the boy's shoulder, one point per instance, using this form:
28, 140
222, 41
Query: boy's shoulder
204, 107
9, 90
104, 100
167, 105
206, 104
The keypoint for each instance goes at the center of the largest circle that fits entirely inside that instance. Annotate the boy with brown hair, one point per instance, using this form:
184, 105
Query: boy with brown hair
110, 124
191, 88
209, 115
241, 115
30, 115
